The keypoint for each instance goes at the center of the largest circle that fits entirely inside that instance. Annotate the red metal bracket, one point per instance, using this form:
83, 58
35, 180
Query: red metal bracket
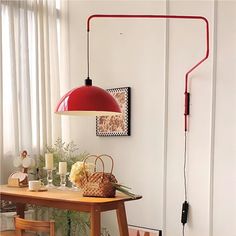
187, 95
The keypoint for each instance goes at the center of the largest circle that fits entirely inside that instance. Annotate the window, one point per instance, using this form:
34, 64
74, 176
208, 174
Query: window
24, 49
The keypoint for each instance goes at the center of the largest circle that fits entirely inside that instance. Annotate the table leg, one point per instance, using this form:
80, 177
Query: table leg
122, 220
95, 221
20, 210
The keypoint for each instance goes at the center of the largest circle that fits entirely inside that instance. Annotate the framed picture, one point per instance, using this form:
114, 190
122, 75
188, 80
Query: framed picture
117, 125
140, 231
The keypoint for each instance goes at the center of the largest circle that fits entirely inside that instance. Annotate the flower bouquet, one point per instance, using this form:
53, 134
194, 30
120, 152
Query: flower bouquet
78, 170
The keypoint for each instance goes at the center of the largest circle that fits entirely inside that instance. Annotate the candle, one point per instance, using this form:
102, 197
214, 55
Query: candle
62, 168
49, 161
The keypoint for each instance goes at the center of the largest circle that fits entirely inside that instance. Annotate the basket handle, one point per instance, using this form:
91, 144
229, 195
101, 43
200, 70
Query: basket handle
97, 157
112, 161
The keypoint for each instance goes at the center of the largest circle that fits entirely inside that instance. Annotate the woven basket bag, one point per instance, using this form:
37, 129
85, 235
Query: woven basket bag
99, 184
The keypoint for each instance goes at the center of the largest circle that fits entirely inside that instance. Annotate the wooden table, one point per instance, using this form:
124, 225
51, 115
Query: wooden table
71, 201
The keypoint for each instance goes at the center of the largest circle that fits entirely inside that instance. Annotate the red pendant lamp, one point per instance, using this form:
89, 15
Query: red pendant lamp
91, 100
88, 99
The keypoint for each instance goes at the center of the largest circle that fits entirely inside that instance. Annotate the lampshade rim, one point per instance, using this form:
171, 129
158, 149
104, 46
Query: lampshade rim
88, 113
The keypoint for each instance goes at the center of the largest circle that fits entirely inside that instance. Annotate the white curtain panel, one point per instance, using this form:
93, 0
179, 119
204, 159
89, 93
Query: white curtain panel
33, 72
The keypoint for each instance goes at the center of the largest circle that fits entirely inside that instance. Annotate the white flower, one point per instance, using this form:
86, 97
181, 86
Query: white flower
77, 172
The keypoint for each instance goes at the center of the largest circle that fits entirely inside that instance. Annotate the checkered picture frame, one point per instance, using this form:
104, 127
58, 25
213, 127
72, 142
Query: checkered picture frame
117, 125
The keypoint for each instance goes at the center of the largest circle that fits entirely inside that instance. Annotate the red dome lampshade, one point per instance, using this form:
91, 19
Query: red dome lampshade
88, 100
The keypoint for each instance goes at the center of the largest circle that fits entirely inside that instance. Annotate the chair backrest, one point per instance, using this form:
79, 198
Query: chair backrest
36, 226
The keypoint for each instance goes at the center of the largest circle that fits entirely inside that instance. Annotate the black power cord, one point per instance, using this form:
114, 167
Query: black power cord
185, 163
185, 206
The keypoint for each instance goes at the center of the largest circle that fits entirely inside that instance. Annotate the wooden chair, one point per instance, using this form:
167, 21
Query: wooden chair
31, 225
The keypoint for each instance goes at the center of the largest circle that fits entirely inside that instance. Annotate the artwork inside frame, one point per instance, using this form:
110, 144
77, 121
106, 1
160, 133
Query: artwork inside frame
117, 125
140, 231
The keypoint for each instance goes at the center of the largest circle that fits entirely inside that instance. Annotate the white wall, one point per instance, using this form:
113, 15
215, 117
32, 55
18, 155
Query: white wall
152, 58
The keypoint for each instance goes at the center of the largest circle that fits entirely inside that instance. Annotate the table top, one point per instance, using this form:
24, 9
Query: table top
57, 198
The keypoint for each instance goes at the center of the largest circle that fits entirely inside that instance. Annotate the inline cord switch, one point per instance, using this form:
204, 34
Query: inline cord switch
184, 215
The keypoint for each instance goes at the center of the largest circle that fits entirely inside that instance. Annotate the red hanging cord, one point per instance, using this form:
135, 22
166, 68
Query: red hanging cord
186, 93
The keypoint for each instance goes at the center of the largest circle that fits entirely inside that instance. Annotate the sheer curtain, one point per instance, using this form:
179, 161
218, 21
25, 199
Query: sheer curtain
33, 76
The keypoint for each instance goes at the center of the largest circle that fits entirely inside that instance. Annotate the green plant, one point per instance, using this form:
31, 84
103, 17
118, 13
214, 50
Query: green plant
70, 223
67, 222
